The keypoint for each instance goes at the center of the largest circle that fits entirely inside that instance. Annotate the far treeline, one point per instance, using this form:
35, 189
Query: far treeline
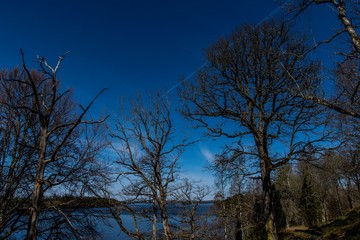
291, 154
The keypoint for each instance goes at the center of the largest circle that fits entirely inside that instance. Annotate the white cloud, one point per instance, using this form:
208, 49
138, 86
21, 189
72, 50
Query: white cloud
207, 154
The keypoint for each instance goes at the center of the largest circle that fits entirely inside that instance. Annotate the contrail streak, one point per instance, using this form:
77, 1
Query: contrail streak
204, 64
183, 80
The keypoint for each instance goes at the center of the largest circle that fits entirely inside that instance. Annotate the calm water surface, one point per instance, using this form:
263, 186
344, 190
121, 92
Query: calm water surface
110, 230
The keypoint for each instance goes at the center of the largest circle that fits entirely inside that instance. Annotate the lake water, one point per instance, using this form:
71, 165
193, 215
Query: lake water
108, 228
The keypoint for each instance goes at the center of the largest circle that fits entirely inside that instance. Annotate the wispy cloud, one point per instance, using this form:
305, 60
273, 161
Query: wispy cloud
207, 154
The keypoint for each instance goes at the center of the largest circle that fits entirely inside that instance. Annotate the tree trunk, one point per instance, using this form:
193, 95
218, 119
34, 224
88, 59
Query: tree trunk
165, 221
348, 193
192, 224
338, 199
270, 224
224, 219
267, 187
268, 208
348, 25
270, 227
239, 231
37, 191
154, 227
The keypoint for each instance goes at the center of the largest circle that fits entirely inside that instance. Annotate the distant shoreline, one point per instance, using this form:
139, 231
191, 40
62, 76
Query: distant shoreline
72, 202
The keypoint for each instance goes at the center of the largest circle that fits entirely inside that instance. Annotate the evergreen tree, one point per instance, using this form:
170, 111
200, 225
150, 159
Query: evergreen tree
310, 205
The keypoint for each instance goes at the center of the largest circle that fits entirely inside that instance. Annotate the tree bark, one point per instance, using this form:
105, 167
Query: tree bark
165, 217
348, 25
268, 208
37, 192
270, 226
267, 191
154, 227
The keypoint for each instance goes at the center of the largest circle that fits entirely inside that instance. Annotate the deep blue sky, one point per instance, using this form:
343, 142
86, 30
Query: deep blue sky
132, 47
128, 46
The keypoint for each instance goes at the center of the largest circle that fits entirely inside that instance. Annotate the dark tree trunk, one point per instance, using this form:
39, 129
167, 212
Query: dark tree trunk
37, 192
270, 224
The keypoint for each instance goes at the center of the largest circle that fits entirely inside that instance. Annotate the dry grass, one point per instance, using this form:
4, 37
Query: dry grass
343, 228
297, 228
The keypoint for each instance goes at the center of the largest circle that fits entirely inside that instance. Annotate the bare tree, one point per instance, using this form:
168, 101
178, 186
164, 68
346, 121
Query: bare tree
348, 162
247, 87
188, 197
231, 180
60, 151
345, 99
147, 156
347, 11
16, 158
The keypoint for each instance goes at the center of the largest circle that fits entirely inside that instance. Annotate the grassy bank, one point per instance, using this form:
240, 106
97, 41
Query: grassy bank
346, 227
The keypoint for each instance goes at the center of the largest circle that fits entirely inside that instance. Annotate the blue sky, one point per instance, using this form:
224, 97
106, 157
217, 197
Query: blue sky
128, 46
131, 47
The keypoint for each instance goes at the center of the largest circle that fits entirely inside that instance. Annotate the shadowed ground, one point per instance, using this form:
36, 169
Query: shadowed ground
343, 228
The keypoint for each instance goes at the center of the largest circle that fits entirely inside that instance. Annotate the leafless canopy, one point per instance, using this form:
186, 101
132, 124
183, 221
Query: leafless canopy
48, 144
250, 81
346, 75
147, 154
248, 86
